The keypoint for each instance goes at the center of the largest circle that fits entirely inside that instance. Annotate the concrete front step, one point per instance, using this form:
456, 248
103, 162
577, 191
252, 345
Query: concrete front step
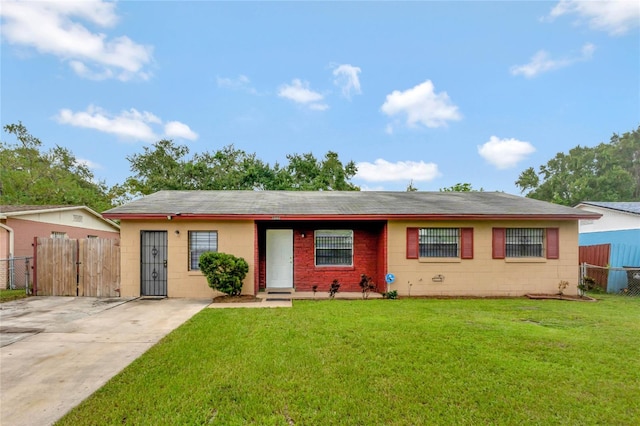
278, 294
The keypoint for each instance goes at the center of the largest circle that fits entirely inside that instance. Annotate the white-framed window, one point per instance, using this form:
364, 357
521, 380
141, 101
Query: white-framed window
524, 242
200, 242
439, 242
57, 234
334, 247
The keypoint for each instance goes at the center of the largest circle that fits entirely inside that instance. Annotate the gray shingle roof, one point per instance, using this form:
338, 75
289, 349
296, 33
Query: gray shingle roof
320, 203
628, 207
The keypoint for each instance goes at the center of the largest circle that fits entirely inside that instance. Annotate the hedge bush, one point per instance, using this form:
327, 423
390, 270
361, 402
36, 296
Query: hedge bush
224, 272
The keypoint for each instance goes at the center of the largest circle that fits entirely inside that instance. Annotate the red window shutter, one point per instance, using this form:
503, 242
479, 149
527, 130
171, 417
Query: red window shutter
466, 243
553, 243
412, 243
498, 243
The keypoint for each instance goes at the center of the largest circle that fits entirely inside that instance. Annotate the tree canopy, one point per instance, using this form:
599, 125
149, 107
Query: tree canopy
165, 165
606, 172
29, 175
460, 187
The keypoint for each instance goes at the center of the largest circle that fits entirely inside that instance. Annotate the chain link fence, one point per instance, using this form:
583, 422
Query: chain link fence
16, 273
622, 280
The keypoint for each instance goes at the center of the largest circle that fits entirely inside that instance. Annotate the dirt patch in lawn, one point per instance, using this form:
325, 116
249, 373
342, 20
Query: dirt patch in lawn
562, 297
243, 298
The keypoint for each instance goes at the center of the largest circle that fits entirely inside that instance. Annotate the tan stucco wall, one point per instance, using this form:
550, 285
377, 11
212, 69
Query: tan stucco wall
234, 237
482, 275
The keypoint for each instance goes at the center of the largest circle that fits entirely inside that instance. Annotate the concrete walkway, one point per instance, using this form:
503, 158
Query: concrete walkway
56, 351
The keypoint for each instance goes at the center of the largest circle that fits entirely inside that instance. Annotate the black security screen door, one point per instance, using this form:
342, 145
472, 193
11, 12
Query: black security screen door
153, 263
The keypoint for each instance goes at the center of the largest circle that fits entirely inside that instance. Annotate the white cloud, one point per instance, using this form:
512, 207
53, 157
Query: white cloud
385, 171
365, 188
56, 28
541, 62
88, 163
615, 17
299, 92
176, 129
131, 124
346, 77
505, 153
319, 107
422, 105
241, 82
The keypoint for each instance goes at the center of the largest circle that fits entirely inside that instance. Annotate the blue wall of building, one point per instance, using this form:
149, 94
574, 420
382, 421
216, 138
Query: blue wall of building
625, 251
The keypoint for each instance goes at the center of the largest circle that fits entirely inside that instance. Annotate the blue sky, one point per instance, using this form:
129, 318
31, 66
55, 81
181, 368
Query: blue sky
430, 92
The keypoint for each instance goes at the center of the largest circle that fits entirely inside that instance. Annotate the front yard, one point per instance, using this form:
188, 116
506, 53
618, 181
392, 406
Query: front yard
398, 362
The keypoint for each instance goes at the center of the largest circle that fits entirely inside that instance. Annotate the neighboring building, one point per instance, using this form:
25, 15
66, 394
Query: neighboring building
435, 243
620, 228
20, 224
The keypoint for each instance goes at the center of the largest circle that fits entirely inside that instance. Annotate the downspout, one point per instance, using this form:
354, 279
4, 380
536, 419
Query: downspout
11, 234
11, 248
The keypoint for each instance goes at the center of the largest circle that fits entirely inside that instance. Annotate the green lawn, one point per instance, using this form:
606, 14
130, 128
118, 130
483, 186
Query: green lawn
391, 362
7, 295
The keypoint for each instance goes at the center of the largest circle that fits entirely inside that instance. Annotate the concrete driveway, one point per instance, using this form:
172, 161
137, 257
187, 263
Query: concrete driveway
56, 351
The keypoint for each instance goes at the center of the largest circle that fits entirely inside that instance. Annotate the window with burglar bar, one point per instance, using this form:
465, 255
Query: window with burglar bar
439, 242
200, 242
334, 247
524, 242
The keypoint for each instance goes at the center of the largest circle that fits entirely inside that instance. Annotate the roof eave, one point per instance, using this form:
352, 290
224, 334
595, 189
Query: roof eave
335, 217
606, 208
61, 209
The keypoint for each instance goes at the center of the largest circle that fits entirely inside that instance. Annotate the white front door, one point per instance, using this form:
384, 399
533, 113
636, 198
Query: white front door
279, 258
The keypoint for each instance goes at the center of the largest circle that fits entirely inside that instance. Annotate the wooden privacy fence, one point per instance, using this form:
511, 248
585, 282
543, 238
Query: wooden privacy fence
84, 267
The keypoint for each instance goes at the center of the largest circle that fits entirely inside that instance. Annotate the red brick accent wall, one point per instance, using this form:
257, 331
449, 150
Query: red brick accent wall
366, 259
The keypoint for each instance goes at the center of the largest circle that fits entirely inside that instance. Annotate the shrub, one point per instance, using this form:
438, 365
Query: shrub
335, 286
224, 272
562, 285
393, 294
589, 284
366, 284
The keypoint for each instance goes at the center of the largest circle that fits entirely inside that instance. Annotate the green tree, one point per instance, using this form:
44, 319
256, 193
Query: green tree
606, 172
460, 187
306, 173
165, 165
161, 166
229, 169
29, 175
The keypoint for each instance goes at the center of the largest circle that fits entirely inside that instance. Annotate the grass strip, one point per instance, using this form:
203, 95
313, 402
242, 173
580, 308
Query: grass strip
8, 295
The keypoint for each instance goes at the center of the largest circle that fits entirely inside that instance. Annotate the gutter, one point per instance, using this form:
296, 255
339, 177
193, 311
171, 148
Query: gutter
337, 217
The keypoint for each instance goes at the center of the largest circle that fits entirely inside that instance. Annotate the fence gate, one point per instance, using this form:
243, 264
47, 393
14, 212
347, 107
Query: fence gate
69, 267
153, 270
